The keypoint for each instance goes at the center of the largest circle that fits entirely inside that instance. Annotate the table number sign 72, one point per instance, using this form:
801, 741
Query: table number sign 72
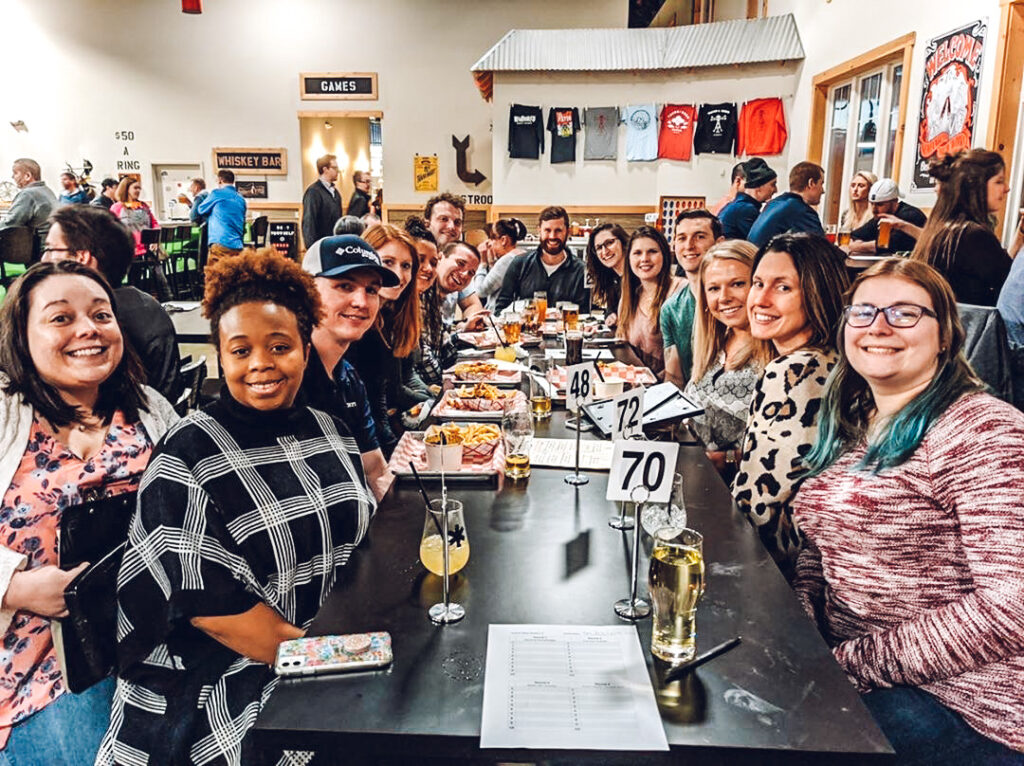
628, 414
646, 464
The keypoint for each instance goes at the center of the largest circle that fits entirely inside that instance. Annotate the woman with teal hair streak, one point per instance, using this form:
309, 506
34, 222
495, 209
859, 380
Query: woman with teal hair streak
913, 514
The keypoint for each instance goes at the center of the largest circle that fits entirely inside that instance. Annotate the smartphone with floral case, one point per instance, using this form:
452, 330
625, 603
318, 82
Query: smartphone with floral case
321, 655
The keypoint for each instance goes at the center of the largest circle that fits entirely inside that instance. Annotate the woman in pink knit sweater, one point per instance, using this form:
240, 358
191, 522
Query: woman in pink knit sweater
914, 519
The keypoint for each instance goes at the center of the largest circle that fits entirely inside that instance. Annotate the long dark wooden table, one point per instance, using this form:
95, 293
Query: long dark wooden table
541, 552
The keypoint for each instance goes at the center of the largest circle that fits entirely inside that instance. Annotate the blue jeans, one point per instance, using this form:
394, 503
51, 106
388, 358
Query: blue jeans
924, 731
67, 732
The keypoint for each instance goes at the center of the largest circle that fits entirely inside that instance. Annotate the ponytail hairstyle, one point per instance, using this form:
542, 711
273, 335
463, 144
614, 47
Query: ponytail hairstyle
512, 228
847, 402
400, 321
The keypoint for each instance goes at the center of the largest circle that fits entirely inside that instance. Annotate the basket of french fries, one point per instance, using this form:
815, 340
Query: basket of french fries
480, 397
476, 443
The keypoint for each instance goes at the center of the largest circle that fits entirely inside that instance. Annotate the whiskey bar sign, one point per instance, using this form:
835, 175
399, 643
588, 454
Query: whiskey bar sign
334, 86
262, 161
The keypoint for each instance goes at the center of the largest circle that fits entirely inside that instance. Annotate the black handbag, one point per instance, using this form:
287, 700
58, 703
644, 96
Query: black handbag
86, 640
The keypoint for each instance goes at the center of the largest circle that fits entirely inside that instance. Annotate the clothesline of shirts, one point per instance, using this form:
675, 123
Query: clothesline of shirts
676, 132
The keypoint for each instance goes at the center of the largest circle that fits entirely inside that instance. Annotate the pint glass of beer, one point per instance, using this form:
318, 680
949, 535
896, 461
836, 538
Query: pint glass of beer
512, 324
517, 436
573, 347
844, 237
884, 230
676, 584
540, 300
571, 316
540, 389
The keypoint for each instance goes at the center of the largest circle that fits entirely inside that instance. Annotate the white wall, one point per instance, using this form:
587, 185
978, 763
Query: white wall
834, 32
532, 182
831, 32
76, 72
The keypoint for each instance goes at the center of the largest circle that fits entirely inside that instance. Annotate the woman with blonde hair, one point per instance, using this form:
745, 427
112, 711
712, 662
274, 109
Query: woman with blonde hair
378, 356
859, 211
727, 360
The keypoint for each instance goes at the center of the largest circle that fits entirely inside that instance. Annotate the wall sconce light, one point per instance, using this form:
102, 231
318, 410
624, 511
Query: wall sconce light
20, 126
328, 125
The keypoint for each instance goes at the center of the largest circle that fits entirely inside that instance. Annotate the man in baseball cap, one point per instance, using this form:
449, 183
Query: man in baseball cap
904, 221
348, 275
760, 186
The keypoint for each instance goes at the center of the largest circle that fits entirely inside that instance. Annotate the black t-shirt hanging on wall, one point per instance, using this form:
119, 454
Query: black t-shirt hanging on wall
716, 129
564, 124
525, 132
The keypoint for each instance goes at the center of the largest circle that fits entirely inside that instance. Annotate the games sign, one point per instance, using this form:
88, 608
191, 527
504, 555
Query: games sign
949, 100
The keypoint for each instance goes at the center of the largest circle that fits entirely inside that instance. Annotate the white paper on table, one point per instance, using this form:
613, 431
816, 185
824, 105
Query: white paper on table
579, 687
561, 453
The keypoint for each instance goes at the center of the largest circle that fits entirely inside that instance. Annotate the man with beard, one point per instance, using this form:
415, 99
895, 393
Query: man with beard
551, 267
695, 232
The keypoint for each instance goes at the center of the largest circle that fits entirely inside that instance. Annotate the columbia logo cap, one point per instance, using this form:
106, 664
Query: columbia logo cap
334, 256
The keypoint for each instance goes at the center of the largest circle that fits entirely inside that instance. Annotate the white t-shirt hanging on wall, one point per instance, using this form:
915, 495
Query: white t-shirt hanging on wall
641, 132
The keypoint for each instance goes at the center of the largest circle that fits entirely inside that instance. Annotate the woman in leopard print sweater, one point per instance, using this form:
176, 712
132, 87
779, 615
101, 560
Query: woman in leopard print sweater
795, 301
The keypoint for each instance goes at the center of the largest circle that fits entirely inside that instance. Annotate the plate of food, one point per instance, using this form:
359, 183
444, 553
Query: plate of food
477, 400
494, 371
489, 339
482, 453
611, 371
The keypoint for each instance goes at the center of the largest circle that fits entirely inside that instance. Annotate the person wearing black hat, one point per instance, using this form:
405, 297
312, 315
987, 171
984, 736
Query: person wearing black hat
760, 186
348, 274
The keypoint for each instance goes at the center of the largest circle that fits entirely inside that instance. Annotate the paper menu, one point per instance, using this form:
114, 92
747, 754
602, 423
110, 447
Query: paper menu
568, 687
561, 453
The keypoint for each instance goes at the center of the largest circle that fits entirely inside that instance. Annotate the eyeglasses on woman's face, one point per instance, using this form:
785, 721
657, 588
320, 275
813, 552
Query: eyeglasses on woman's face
899, 315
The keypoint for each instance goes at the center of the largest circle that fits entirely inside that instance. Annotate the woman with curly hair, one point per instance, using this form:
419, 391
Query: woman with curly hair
247, 511
436, 350
606, 265
380, 355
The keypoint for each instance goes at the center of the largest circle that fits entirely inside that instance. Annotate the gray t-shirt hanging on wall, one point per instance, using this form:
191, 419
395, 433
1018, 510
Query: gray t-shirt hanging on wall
601, 136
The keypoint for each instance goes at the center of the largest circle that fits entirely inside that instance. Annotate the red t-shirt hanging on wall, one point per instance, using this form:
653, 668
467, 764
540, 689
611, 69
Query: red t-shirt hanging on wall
762, 128
675, 142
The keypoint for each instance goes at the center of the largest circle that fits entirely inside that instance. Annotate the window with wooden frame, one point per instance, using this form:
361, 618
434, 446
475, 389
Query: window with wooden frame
858, 120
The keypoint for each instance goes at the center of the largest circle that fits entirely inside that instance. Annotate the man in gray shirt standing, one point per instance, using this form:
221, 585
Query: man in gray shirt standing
33, 204
601, 133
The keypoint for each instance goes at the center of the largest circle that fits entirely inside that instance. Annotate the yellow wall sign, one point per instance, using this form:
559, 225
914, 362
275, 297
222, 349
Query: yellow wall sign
424, 172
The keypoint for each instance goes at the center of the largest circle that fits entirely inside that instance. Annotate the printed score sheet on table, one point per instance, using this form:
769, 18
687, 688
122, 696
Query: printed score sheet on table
573, 687
561, 453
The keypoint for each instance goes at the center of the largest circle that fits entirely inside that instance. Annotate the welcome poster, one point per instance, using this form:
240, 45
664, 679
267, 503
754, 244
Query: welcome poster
952, 69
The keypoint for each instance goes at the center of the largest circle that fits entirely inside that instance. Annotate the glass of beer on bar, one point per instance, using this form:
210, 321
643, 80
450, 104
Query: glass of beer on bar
540, 300
844, 236
517, 436
512, 324
571, 316
573, 347
540, 389
676, 583
884, 230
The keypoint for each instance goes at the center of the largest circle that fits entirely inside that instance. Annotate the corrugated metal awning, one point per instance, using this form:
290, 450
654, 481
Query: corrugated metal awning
720, 43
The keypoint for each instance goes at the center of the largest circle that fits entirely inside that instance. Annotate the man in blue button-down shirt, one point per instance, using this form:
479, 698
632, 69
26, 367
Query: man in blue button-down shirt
224, 209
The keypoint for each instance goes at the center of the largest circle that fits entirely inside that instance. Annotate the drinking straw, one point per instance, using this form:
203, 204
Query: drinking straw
426, 498
676, 673
501, 337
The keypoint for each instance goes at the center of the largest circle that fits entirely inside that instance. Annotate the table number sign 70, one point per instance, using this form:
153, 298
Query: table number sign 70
646, 464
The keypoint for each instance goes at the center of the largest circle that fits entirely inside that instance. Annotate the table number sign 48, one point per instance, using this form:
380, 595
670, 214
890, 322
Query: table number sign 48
647, 464
579, 385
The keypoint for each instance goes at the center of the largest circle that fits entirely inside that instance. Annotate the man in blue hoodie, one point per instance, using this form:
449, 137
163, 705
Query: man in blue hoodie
739, 215
793, 210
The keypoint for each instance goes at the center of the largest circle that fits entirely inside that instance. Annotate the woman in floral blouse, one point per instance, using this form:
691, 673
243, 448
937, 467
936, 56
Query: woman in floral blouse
76, 423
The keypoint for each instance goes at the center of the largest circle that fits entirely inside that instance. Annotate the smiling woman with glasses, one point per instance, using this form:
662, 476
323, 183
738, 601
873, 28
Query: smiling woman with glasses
913, 514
